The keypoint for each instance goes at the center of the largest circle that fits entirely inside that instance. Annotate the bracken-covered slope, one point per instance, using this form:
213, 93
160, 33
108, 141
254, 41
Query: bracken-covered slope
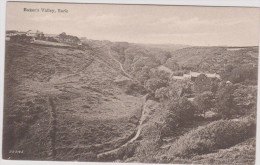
90, 104
67, 98
214, 59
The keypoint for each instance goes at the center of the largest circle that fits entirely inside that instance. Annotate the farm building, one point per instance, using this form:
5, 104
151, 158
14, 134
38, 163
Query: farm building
10, 33
35, 34
192, 76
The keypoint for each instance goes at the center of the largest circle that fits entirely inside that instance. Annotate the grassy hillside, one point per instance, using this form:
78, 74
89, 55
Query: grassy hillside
108, 102
214, 59
88, 104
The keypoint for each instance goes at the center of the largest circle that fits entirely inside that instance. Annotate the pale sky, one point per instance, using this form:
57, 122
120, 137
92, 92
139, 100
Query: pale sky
213, 26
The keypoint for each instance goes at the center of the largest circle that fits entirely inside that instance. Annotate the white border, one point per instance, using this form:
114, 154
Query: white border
246, 3
241, 3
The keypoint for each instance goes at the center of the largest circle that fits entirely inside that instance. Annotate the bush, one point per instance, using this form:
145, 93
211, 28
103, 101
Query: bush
204, 102
179, 111
217, 135
243, 73
134, 88
245, 99
126, 151
182, 108
175, 90
236, 100
202, 84
153, 84
147, 151
224, 101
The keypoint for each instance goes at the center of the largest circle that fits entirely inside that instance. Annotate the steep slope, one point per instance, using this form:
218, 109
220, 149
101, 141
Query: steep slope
214, 59
77, 89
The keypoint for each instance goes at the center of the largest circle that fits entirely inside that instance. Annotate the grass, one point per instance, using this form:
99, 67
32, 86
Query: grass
242, 153
216, 135
93, 113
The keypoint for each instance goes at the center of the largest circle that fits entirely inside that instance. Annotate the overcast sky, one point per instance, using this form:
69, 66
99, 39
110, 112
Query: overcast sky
141, 23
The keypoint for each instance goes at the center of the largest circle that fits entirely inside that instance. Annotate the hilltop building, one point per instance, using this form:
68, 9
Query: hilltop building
10, 33
33, 35
192, 76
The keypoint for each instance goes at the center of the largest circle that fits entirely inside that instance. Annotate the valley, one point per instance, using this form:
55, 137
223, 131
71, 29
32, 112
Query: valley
108, 101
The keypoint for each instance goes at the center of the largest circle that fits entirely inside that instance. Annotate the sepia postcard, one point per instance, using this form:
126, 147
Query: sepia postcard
130, 83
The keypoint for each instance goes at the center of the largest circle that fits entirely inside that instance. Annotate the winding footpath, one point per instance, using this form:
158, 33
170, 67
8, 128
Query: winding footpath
136, 133
140, 125
121, 66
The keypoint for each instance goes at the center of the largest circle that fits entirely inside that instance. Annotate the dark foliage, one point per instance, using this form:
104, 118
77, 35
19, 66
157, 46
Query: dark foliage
217, 135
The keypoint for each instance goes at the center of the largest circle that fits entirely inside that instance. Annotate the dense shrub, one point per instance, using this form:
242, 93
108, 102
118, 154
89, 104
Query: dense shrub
179, 111
182, 108
224, 101
172, 64
235, 100
204, 102
171, 122
202, 84
149, 146
134, 88
246, 72
147, 151
217, 135
162, 94
245, 99
153, 84
158, 79
126, 151
176, 89
143, 74
20, 117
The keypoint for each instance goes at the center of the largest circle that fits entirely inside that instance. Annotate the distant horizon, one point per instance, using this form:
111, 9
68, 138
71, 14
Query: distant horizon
142, 43
185, 25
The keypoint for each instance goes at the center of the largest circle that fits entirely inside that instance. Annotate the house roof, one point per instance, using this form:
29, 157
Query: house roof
210, 75
195, 74
33, 31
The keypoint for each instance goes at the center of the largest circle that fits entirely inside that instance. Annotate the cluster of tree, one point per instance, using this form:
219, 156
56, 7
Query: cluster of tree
21, 38
179, 111
134, 88
225, 99
176, 88
172, 95
68, 39
235, 100
239, 74
157, 79
203, 83
230, 100
172, 64
204, 102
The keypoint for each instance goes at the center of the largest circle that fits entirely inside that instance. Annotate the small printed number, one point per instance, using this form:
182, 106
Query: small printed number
15, 151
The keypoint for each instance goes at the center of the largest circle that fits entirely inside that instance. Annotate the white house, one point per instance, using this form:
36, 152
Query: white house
33, 33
